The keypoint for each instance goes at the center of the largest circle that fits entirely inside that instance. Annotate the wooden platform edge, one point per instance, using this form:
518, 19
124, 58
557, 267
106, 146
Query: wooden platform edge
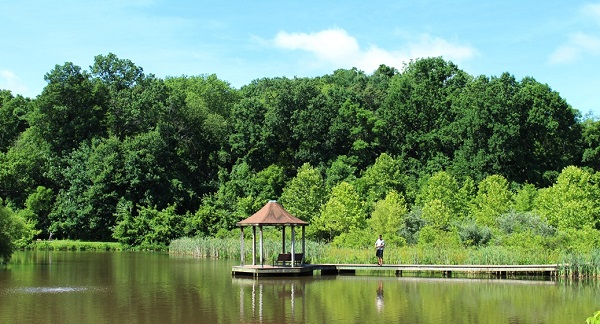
446, 270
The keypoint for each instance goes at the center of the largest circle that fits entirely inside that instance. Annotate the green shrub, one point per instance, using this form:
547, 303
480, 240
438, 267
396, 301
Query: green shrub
472, 234
413, 222
516, 222
70, 245
594, 319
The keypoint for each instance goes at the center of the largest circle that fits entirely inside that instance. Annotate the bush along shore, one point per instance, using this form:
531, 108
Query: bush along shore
71, 245
571, 265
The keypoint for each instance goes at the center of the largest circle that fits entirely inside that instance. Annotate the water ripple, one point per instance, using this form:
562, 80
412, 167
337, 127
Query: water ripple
49, 290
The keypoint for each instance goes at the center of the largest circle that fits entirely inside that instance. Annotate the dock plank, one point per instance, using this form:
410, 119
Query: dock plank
309, 269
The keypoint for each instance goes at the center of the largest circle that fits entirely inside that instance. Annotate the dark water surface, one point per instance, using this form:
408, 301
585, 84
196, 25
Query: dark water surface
123, 287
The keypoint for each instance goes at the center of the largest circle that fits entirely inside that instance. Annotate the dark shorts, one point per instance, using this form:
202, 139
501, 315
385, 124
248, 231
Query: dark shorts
379, 253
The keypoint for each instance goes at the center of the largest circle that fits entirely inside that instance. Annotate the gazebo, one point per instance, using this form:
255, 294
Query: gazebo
271, 214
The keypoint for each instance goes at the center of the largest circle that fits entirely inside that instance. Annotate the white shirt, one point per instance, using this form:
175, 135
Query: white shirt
379, 244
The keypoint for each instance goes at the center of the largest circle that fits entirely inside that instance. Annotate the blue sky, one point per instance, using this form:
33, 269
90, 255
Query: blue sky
555, 42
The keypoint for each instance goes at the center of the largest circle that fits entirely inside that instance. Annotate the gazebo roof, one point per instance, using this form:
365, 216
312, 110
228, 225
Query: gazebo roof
272, 214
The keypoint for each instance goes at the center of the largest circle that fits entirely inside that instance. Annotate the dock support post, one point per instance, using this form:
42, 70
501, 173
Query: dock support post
398, 273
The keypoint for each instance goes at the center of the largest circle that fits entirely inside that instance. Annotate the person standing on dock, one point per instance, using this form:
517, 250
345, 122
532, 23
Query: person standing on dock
379, 245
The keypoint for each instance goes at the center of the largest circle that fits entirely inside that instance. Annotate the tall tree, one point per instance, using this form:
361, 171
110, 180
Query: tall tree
342, 213
304, 194
573, 202
553, 139
417, 112
591, 142
69, 110
489, 129
13, 111
12, 228
388, 217
492, 200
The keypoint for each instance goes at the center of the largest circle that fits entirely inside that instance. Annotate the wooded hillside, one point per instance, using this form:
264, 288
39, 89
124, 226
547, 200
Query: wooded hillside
425, 154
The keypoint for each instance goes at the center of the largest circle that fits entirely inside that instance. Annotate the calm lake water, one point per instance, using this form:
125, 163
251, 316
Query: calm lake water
123, 287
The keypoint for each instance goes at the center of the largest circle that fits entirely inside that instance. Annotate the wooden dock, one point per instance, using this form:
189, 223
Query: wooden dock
500, 271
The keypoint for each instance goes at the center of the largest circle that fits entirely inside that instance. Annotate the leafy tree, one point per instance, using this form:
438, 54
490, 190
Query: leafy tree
417, 114
388, 218
442, 186
95, 178
412, 225
197, 127
554, 136
489, 128
12, 118
493, 199
147, 228
39, 205
342, 213
263, 186
342, 169
525, 197
437, 215
304, 194
24, 167
572, 202
380, 178
134, 102
472, 234
12, 228
591, 143
146, 161
530, 222
69, 110
265, 128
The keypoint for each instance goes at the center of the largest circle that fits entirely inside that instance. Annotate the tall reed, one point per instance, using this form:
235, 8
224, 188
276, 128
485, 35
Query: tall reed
70, 245
571, 265
580, 265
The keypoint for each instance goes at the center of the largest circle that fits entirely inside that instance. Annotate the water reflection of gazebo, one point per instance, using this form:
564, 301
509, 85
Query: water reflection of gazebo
271, 214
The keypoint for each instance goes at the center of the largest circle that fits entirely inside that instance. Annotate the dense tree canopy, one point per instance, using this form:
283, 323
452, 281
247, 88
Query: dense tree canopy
113, 153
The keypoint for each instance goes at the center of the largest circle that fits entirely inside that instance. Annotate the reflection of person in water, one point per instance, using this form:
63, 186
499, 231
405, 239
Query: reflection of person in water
379, 300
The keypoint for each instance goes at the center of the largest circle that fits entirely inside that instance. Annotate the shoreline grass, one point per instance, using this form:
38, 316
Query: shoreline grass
572, 265
71, 245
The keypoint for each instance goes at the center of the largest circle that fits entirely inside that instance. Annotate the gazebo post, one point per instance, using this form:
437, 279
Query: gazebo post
303, 244
253, 245
260, 229
293, 246
283, 239
242, 254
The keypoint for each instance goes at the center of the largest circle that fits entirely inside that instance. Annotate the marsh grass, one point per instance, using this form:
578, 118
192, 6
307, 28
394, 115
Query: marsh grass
571, 265
580, 265
70, 245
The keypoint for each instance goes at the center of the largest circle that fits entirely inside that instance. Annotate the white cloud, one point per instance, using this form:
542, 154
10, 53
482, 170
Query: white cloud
332, 45
592, 10
10, 81
335, 47
577, 46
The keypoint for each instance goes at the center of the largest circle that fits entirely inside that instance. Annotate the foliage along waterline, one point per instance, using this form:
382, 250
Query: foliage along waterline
426, 156
571, 265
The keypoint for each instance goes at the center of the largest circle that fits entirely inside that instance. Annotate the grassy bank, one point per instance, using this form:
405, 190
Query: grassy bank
69, 245
574, 264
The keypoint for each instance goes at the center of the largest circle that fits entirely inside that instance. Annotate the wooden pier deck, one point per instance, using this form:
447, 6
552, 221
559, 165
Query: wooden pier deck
500, 271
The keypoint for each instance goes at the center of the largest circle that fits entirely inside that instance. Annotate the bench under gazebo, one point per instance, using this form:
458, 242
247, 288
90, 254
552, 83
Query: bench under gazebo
273, 214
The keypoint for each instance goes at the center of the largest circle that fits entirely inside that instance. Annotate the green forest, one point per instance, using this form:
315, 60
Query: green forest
424, 154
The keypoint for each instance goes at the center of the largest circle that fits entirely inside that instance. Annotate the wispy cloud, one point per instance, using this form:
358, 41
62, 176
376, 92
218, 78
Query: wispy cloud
10, 81
580, 44
592, 11
335, 47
